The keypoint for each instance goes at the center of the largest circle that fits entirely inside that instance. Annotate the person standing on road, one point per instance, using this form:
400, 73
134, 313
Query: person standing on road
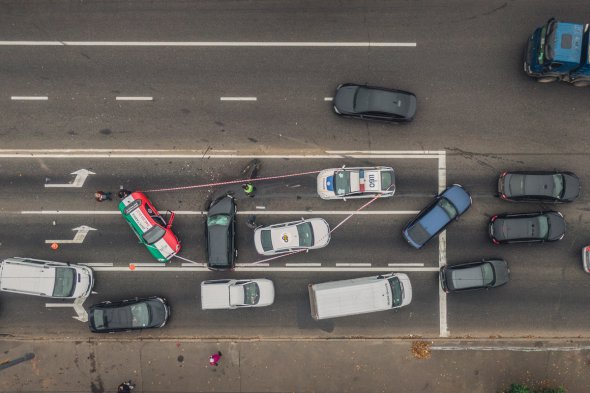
249, 189
123, 193
103, 196
214, 359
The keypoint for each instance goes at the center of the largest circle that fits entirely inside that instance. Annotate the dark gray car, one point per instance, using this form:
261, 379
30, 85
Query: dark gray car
374, 103
474, 275
221, 230
133, 314
537, 186
548, 226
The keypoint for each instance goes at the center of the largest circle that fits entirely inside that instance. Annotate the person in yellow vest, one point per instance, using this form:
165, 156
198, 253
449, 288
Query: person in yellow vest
249, 189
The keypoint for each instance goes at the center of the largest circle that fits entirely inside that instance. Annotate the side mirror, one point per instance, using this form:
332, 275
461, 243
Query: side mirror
171, 220
344, 199
343, 166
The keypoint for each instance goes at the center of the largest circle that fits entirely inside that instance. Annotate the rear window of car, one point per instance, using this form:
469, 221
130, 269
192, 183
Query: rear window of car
418, 234
65, 282
266, 240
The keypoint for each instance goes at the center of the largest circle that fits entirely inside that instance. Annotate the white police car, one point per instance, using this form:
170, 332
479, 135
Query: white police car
305, 234
366, 182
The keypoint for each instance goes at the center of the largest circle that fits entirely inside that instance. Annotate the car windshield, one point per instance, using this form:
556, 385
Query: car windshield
543, 226
266, 239
558, 186
488, 274
448, 207
397, 291
305, 232
65, 282
341, 182
386, 180
140, 314
251, 293
153, 234
218, 219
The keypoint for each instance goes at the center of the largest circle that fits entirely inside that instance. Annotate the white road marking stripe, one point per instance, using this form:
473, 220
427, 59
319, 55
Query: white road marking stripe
29, 98
442, 253
438, 152
244, 212
353, 264
97, 264
303, 264
134, 98
237, 99
59, 304
404, 264
194, 264
209, 43
200, 153
269, 269
328, 98
510, 348
146, 264
252, 264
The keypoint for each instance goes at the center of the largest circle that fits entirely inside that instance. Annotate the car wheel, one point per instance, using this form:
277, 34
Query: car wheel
581, 83
547, 79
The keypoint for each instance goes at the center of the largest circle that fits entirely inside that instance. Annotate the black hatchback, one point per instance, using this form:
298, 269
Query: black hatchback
482, 274
538, 186
132, 314
547, 226
221, 233
374, 103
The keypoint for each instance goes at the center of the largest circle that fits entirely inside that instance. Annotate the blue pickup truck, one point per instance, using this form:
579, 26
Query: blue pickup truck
559, 51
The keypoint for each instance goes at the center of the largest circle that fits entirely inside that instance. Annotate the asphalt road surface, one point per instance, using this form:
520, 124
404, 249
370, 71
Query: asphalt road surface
179, 100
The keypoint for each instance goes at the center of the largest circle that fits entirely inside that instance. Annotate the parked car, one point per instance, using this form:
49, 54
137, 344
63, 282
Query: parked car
221, 233
349, 183
305, 234
38, 277
537, 186
547, 226
446, 207
149, 226
482, 274
229, 294
374, 103
132, 314
586, 259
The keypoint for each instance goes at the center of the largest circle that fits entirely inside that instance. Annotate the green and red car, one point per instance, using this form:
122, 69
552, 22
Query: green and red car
149, 226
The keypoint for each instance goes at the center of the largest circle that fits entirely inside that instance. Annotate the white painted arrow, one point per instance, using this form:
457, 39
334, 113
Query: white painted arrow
81, 175
78, 307
78, 238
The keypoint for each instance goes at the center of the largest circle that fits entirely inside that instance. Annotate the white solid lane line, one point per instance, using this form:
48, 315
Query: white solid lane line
29, 98
134, 98
328, 98
237, 99
294, 267
209, 43
245, 212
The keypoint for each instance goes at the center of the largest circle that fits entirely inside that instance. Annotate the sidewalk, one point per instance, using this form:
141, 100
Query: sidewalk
292, 366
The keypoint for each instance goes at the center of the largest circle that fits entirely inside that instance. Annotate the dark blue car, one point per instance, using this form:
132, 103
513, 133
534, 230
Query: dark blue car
435, 217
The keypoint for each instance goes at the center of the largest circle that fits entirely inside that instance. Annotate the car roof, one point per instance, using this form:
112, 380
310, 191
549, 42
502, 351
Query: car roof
24, 276
515, 227
285, 237
468, 277
218, 243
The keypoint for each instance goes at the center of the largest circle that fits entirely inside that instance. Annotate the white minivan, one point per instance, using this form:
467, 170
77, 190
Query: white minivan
359, 295
37, 277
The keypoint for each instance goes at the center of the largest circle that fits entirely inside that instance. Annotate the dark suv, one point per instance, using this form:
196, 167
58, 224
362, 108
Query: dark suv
221, 231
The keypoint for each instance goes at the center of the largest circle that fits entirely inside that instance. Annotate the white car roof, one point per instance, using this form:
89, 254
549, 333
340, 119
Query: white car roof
284, 237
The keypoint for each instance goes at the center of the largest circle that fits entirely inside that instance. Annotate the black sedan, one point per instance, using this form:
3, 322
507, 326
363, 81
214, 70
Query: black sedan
548, 226
133, 314
221, 231
482, 274
536, 186
374, 103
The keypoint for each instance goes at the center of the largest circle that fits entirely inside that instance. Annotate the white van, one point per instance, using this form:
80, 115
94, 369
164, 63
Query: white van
45, 278
359, 295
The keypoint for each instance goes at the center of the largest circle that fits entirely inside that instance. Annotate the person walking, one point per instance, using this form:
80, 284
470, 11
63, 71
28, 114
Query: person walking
103, 196
249, 189
125, 387
251, 222
214, 359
